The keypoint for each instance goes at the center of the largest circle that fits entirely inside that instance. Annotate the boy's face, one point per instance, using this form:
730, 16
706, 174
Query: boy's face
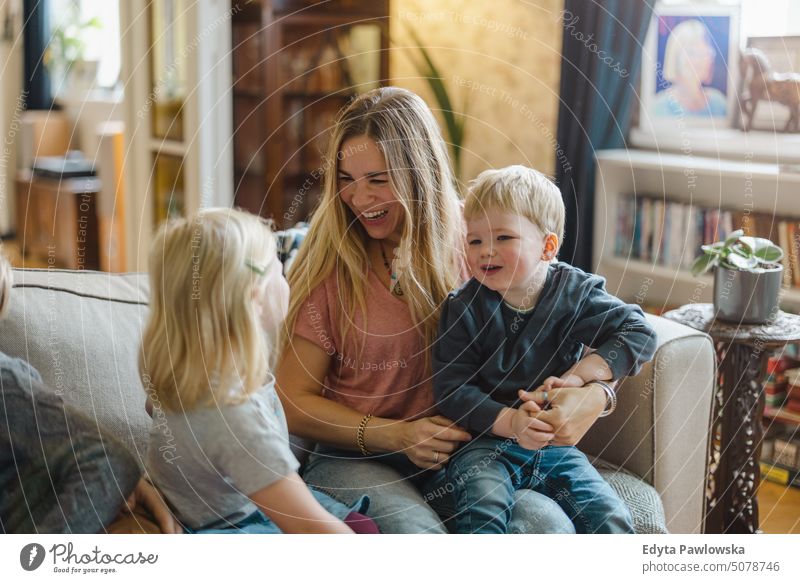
506, 251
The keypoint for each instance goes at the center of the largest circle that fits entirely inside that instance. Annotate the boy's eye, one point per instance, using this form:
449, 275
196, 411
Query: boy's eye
475, 242
504, 237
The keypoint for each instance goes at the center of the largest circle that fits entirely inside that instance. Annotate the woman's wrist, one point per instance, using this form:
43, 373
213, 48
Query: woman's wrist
604, 393
384, 435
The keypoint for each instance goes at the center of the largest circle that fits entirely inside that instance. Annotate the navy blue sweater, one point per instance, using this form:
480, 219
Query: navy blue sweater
487, 351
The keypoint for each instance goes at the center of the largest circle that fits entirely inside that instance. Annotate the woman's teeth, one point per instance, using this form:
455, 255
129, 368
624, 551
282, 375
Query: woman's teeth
375, 215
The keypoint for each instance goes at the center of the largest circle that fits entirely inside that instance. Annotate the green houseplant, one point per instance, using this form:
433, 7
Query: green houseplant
747, 277
454, 123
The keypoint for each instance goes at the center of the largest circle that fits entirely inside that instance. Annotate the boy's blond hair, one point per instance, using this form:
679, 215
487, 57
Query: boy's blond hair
6, 280
203, 343
519, 190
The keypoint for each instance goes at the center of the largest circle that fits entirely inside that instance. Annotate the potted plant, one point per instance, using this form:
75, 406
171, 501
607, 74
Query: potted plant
747, 278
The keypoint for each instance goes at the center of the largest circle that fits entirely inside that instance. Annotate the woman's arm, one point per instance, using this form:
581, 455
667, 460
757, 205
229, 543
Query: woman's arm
292, 507
427, 442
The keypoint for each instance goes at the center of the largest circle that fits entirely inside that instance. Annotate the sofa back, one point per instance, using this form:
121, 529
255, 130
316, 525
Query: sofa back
81, 330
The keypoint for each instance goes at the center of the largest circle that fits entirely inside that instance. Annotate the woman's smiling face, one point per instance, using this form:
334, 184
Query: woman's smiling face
363, 182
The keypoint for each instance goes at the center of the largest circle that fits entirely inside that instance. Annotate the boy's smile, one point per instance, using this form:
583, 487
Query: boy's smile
509, 254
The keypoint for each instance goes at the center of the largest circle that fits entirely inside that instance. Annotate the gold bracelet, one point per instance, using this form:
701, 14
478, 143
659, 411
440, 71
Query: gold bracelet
360, 435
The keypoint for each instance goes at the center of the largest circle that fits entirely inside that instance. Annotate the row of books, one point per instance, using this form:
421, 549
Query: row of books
780, 459
670, 233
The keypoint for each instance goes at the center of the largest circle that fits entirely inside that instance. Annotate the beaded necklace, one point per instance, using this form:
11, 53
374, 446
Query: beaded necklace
394, 286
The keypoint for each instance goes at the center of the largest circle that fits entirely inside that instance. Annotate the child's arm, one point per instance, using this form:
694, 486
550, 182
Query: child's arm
290, 505
591, 367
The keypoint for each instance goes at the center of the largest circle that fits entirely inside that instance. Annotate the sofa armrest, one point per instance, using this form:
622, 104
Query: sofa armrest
661, 428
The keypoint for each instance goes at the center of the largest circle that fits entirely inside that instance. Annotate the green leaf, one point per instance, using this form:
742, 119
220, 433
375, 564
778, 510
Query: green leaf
741, 250
733, 236
735, 261
769, 254
715, 249
454, 124
703, 263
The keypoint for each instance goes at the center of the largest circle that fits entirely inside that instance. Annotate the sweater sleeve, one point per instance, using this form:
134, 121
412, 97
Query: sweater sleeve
617, 331
456, 362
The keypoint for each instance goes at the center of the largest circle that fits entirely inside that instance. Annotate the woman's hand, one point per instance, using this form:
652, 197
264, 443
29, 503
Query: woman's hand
573, 410
146, 497
428, 442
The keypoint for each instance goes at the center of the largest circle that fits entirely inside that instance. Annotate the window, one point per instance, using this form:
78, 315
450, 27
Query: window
88, 31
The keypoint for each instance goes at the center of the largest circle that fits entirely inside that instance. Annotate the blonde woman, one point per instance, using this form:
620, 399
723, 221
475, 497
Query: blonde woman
219, 447
383, 250
689, 61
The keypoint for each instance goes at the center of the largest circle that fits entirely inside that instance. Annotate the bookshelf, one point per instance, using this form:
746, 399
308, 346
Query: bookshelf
295, 65
743, 186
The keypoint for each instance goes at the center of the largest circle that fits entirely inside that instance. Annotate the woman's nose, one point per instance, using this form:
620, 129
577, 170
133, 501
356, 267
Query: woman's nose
361, 193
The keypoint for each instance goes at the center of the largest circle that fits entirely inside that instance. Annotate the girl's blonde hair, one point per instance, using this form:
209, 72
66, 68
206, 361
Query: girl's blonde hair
203, 342
403, 127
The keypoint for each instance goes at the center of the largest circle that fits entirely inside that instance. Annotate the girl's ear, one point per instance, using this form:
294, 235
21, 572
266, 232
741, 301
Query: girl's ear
550, 247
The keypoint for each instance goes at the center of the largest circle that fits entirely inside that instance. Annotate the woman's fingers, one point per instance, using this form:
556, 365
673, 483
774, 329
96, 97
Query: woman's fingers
442, 445
448, 431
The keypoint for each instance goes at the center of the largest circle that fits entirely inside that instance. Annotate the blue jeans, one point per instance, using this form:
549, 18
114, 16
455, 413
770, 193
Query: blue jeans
259, 523
485, 473
406, 499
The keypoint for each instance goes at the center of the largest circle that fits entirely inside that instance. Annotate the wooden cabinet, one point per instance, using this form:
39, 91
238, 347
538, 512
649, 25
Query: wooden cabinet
295, 66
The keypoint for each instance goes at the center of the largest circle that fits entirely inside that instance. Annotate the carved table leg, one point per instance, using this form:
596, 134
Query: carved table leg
735, 508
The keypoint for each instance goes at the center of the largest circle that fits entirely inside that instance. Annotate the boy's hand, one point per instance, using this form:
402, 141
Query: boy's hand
567, 380
530, 433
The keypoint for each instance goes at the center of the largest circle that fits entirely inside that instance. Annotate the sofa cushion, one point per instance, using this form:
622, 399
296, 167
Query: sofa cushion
81, 330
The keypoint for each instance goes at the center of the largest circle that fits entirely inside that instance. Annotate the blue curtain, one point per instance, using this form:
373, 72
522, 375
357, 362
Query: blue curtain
36, 36
600, 62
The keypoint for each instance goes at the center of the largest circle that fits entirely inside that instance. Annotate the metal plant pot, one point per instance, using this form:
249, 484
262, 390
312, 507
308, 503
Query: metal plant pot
747, 297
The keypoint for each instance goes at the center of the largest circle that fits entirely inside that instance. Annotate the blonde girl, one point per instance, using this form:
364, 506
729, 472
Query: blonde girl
384, 249
218, 445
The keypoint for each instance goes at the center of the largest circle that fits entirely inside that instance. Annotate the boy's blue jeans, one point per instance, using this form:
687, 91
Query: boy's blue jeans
486, 472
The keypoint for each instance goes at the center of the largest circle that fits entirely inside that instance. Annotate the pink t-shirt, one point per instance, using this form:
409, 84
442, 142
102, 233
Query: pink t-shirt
389, 378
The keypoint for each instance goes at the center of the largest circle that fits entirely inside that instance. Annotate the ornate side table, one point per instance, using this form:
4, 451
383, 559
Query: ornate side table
736, 426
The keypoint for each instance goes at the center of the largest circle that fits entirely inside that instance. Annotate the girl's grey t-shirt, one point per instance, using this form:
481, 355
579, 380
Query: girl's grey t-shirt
207, 461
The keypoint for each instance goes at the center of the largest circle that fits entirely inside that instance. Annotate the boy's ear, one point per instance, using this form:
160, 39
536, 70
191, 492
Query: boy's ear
550, 247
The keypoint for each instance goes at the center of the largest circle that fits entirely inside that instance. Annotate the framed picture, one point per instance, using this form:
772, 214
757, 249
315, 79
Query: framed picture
783, 55
690, 67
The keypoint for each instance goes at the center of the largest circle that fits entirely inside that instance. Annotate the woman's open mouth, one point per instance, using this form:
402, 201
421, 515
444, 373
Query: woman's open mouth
375, 217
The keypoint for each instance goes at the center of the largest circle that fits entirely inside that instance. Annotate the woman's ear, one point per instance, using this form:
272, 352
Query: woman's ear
550, 247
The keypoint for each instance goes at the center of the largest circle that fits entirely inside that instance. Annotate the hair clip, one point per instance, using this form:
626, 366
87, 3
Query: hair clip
256, 268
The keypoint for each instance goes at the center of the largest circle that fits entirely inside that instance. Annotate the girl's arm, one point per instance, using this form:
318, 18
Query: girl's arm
299, 378
292, 507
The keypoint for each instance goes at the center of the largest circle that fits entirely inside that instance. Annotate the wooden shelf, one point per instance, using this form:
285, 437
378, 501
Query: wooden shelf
780, 414
756, 187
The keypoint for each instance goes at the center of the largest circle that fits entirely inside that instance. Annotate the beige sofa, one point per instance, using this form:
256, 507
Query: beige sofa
82, 329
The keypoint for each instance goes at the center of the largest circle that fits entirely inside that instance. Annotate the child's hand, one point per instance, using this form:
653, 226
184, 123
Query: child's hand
530, 432
567, 380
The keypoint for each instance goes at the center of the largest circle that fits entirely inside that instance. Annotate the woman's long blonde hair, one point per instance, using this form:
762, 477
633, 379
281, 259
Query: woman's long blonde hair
403, 127
203, 342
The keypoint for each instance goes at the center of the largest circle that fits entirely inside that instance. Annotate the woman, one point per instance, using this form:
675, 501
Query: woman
383, 250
